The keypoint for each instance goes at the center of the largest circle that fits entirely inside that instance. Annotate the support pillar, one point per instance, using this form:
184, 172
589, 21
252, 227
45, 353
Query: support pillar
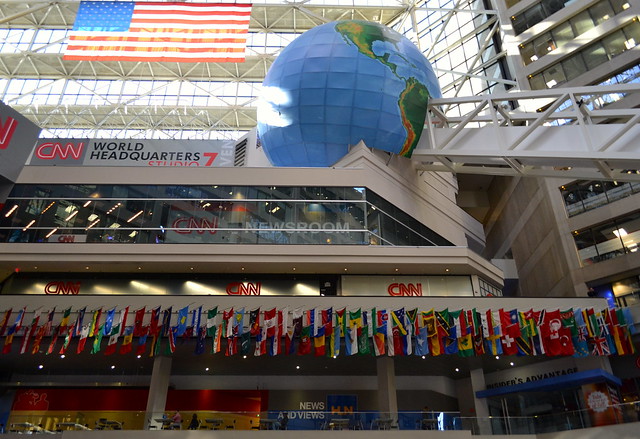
158, 389
480, 404
387, 395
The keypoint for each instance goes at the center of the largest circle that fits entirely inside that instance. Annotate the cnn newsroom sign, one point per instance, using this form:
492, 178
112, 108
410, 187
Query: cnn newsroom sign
139, 153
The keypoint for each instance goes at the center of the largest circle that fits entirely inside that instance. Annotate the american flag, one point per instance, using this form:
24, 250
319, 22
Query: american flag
154, 31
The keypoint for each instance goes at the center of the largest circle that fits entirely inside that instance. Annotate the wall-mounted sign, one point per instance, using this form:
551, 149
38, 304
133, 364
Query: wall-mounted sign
406, 286
17, 136
139, 153
223, 287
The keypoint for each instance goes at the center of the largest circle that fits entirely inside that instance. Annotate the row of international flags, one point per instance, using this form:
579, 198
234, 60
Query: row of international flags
325, 332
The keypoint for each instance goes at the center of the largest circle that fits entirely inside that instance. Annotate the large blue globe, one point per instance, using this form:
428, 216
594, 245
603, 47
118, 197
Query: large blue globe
338, 84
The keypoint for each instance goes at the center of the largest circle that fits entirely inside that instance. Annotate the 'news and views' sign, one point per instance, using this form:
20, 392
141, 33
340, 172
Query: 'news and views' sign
17, 136
139, 153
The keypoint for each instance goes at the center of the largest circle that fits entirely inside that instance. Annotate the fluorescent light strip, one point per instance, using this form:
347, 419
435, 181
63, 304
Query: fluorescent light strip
93, 224
28, 225
135, 216
51, 232
86, 204
72, 215
13, 209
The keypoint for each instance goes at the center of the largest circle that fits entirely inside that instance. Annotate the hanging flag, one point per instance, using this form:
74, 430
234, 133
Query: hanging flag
82, 338
142, 342
77, 327
8, 341
261, 342
304, 347
364, 343
238, 325
181, 325
217, 339
166, 321
201, 340
254, 322
232, 346
245, 343
158, 31
127, 341
154, 323
211, 321
112, 344
95, 322
5, 321
351, 340
171, 338
580, 342
29, 333
138, 322
422, 343
108, 322
97, 339
434, 339
510, 334
270, 322
319, 344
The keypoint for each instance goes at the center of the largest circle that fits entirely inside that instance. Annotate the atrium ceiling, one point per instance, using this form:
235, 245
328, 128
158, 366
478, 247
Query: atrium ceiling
168, 100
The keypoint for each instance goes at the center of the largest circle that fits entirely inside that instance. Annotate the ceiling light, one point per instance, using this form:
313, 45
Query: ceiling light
51, 233
13, 209
497, 357
206, 369
512, 363
620, 232
71, 216
40, 366
28, 225
113, 367
86, 204
135, 216
297, 367
424, 357
62, 356
139, 356
457, 370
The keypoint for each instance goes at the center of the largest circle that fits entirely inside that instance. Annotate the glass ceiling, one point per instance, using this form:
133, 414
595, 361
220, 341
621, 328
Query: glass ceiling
191, 101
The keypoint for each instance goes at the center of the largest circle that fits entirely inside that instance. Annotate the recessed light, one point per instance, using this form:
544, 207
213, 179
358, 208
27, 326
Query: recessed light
244, 356
40, 366
113, 367
424, 357
206, 369
397, 269
446, 269
457, 370
297, 367
139, 356
345, 269
62, 356
86, 268
139, 268
497, 357
512, 363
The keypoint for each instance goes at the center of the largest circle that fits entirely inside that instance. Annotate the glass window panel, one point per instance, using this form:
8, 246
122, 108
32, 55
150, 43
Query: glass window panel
582, 22
614, 44
573, 67
594, 55
632, 35
601, 12
620, 5
553, 76
563, 33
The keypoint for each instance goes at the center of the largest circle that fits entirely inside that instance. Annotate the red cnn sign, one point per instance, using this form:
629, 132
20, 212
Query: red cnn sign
66, 238
59, 287
6, 131
397, 289
244, 289
52, 150
188, 225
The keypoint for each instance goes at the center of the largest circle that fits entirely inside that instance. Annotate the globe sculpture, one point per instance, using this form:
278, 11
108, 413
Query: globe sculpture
338, 84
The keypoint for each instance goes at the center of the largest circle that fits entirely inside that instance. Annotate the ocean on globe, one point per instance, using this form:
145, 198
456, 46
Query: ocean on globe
338, 84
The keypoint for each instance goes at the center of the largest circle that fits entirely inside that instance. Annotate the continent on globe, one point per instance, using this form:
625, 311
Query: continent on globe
339, 84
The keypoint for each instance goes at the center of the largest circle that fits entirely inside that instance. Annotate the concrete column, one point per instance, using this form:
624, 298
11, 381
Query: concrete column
158, 389
480, 404
387, 396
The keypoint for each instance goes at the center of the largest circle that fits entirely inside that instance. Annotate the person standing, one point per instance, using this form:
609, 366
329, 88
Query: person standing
176, 420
